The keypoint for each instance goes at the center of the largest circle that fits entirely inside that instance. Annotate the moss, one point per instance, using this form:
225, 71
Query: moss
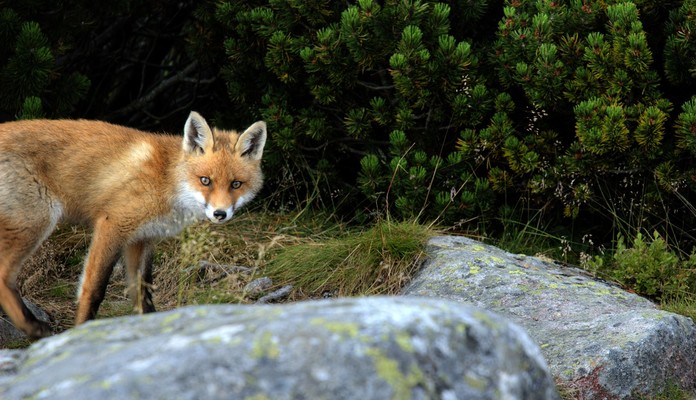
475, 382
475, 248
265, 346
603, 292
105, 384
171, 318
201, 311
496, 260
347, 329
486, 320
75, 380
42, 356
474, 269
461, 329
599, 290
260, 396
531, 289
450, 269
655, 316
459, 285
404, 341
388, 369
568, 373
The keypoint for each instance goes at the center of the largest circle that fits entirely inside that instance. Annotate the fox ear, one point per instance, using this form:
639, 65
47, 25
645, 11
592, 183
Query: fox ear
251, 142
198, 138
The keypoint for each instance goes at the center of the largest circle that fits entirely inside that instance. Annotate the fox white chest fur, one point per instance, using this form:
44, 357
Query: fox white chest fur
188, 207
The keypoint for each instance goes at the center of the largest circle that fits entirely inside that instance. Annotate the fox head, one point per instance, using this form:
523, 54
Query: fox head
221, 169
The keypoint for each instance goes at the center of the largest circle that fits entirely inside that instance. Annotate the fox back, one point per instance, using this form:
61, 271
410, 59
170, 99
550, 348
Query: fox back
130, 187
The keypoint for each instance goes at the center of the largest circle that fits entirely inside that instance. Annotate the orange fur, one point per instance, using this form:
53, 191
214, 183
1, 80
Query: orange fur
130, 187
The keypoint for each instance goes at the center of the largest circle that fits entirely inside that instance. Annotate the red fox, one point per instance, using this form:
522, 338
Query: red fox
130, 187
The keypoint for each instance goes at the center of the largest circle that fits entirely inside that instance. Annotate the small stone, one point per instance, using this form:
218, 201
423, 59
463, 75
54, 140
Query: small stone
258, 286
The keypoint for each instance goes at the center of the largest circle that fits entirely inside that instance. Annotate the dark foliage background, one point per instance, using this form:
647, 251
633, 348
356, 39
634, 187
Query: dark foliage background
139, 63
575, 116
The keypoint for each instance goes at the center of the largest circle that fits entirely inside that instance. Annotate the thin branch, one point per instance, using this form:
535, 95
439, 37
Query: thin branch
374, 87
199, 81
165, 84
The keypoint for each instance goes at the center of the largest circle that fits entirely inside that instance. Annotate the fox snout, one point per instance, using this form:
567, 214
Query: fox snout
221, 214
218, 215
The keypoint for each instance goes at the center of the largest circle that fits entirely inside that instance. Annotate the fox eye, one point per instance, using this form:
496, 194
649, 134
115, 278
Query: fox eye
205, 181
236, 184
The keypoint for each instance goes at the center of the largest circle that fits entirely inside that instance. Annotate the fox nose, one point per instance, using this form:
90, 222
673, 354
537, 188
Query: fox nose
220, 214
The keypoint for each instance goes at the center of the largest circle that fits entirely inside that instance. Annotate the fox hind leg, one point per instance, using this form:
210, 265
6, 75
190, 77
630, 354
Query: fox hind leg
16, 244
22, 231
138, 259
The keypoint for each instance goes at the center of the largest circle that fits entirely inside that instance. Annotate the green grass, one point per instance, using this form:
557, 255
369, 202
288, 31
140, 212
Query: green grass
17, 344
379, 260
62, 289
685, 306
644, 262
671, 392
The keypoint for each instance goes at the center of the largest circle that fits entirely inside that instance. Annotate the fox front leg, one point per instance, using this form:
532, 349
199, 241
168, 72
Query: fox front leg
138, 258
101, 258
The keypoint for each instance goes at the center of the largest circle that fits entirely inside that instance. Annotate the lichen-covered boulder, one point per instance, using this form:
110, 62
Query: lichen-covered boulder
600, 341
369, 348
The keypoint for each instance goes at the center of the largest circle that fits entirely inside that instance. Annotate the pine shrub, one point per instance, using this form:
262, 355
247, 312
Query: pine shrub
577, 112
30, 76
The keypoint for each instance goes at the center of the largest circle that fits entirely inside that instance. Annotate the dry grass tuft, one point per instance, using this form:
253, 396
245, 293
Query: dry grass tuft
379, 260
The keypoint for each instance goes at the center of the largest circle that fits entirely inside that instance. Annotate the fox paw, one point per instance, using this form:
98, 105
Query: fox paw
38, 329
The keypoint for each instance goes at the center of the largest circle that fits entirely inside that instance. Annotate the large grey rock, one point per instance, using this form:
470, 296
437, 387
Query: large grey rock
370, 348
600, 341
